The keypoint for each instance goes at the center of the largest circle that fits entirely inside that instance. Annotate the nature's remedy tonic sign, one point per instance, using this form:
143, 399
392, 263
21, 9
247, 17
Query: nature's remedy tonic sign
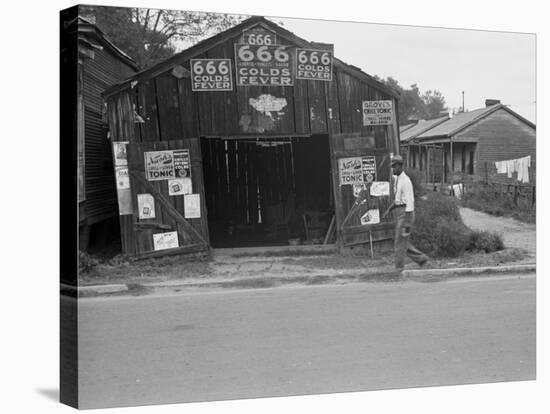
313, 64
263, 65
351, 171
159, 165
377, 113
211, 75
369, 169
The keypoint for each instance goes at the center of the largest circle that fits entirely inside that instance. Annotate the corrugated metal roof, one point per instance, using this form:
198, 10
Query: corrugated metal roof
421, 127
85, 26
458, 122
407, 126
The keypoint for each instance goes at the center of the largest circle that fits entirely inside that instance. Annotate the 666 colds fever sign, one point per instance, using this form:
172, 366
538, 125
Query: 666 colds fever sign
211, 75
314, 64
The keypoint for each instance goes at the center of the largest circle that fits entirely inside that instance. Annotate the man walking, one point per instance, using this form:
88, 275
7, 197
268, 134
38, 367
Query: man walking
403, 208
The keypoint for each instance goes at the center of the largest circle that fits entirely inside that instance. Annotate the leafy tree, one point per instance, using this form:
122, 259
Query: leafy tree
434, 103
152, 35
413, 105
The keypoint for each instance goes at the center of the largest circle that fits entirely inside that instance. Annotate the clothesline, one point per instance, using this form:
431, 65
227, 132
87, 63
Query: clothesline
519, 165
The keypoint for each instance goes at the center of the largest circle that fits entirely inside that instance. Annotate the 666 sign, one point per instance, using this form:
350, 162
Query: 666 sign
263, 65
211, 75
313, 64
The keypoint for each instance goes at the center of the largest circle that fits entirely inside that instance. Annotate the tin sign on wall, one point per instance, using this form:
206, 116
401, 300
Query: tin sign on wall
182, 163
263, 65
259, 36
369, 169
211, 75
159, 165
312, 64
377, 113
351, 171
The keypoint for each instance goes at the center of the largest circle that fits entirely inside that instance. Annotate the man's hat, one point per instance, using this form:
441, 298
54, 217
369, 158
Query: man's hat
396, 159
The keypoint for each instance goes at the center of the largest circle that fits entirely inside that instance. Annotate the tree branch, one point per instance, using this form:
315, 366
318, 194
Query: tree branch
157, 21
146, 21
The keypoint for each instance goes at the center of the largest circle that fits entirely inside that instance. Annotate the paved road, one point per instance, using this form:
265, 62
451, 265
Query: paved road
303, 340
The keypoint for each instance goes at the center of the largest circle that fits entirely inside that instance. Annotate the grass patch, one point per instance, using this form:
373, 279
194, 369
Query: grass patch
95, 270
285, 253
483, 198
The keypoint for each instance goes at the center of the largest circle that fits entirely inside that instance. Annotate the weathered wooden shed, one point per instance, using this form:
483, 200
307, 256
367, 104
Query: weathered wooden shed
100, 65
254, 136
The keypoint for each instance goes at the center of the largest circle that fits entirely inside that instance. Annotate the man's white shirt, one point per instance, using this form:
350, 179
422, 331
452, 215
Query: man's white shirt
404, 193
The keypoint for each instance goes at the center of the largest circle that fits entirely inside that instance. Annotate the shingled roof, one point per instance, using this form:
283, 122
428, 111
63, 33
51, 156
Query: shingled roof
421, 127
461, 121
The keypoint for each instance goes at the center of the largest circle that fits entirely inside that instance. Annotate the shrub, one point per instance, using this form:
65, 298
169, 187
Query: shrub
451, 238
437, 205
438, 229
487, 241
86, 262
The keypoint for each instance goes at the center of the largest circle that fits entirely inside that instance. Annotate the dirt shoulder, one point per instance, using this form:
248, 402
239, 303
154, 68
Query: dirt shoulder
516, 234
259, 268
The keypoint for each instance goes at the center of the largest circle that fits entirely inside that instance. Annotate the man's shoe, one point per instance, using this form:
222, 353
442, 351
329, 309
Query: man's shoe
423, 262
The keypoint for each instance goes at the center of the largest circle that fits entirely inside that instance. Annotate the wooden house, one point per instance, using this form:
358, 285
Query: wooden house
252, 137
419, 157
100, 64
469, 144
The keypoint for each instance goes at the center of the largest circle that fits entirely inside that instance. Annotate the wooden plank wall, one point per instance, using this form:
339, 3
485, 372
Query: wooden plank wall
167, 110
312, 107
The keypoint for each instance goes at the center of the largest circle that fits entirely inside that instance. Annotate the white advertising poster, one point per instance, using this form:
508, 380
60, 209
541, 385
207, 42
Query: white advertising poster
119, 153
377, 113
192, 205
380, 188
122, 178
179, 186
371, 217
350, 170
146, 206
162, 241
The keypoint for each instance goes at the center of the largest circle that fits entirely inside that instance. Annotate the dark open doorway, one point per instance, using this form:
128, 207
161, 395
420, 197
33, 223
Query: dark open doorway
267, 191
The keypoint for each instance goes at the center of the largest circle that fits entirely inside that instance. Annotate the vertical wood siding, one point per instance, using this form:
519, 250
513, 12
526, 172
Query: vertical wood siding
170, 110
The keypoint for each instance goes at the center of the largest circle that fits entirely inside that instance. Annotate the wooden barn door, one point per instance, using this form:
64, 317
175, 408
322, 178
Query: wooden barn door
356, 165
169, 209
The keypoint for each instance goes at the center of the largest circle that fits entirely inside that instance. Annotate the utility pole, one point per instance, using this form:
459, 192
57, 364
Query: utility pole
463, 110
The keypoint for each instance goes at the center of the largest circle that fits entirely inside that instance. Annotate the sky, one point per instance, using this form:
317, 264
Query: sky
483, 64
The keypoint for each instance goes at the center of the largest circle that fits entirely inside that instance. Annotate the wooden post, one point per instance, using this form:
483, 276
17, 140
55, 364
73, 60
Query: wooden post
371, 249
452, 165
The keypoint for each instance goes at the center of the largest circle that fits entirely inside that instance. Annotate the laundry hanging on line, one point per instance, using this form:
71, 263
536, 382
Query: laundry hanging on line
519, 165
